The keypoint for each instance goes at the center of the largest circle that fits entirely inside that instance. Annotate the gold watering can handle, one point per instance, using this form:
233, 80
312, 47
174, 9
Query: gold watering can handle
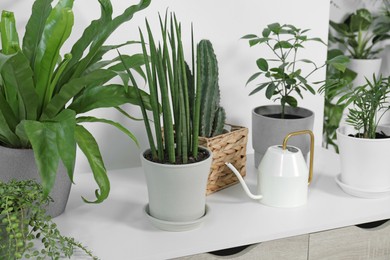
284, 146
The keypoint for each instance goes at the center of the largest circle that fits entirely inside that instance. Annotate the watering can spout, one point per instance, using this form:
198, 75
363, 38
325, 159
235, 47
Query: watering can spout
243, 184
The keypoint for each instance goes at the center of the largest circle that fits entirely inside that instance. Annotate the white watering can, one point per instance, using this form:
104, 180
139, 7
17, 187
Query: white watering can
283, 176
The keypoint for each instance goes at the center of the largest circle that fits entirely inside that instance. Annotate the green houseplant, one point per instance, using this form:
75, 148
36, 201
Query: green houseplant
284, 78
337, 81
42, 93
176, 168
25, 227
365, 145
359, 36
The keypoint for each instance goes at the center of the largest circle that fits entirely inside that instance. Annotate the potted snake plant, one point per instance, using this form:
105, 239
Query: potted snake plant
42, 94
283, 79
175, 166
364, 145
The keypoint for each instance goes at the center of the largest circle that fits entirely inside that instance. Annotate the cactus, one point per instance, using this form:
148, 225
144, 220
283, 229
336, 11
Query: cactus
213, 116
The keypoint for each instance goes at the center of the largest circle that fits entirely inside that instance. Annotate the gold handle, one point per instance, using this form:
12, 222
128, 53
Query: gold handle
311, 148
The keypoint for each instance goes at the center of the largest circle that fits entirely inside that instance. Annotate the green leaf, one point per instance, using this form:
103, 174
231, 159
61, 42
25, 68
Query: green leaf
253, 42
98, 97
274, 27
65, 131
95, 37
89, 119
18, 84
249, 36
262, 64
43, 138
339, 62
90, 148
253, 77
270, 90
8, 33
7, 136
291, 101
266, 32
283, 45
34, 28
260, 87
317, 40
57, 29
73, 87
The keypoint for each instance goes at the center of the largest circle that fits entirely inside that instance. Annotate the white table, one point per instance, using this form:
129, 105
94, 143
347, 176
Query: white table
119, 229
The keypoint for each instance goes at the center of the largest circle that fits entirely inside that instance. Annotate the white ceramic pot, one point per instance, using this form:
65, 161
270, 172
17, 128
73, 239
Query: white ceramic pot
364, 69
177, 193
365, 163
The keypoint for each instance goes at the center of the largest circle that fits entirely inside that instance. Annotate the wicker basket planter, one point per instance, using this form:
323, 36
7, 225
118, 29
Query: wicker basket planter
228, 147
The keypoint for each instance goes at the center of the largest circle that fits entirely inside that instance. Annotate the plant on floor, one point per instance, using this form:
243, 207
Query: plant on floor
370, 103
42, 93
212, 115
25, 227
284, 71
359, 35
172, 84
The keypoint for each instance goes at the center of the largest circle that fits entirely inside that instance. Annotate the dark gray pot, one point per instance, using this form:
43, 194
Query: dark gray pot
19, 164
268, 131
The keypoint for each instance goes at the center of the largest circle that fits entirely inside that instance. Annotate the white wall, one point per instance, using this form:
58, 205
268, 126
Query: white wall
224, 22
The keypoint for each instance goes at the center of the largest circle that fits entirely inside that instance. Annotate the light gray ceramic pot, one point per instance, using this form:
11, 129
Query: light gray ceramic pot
268, 131
177, 193
19, 164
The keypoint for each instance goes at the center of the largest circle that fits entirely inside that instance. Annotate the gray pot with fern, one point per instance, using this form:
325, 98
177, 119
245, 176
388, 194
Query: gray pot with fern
364, 145
176, 168
283, 77
42, 94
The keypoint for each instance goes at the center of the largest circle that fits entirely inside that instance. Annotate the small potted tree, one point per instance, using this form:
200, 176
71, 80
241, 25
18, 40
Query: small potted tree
26, 231
359, 35
42, 94
284, 78
364, 145
176, 168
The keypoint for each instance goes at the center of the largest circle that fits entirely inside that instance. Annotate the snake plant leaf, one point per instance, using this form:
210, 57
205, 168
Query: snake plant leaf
90, 148
90, 119
34, 28
57, 29
43, 139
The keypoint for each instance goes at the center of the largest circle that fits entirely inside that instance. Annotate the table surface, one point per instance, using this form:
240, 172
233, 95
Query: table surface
119, 229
